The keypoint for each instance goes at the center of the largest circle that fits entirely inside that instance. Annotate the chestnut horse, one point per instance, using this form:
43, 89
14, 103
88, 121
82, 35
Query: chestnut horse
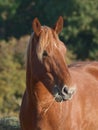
57, 96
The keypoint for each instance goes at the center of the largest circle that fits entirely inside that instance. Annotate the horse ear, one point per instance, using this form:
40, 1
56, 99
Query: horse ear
59, 25
36, 26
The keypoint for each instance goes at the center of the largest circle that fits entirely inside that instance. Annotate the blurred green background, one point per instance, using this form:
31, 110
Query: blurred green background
80, 34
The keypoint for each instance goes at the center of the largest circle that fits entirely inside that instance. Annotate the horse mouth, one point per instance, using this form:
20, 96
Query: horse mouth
58, 95
64, 95
59, 98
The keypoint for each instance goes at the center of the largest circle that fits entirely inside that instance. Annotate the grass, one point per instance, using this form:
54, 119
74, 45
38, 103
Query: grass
9, 123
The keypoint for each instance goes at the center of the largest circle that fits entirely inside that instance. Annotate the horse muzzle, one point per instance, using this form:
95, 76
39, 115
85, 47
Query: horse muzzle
63, 94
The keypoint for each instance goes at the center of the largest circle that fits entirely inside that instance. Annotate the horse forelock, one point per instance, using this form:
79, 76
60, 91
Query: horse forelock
45, 41
28, 50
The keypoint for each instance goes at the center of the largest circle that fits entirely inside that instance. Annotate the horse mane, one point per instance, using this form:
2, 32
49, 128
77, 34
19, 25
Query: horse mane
28, 49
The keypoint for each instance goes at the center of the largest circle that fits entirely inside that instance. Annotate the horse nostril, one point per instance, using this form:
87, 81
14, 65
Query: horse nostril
64, 90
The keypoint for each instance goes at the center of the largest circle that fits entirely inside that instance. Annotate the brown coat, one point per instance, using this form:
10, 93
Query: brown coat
57, 96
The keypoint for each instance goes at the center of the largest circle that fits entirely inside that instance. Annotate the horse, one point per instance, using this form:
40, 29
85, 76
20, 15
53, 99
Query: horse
57, 96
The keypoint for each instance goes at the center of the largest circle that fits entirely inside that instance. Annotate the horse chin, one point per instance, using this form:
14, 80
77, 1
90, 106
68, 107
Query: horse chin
61, 98
57, 94
58, 98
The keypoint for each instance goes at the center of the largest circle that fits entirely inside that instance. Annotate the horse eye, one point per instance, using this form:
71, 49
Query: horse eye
45, 53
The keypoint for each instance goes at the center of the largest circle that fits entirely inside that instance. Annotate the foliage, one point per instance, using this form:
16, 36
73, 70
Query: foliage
12, 74
9, 123
80, 26
82, 30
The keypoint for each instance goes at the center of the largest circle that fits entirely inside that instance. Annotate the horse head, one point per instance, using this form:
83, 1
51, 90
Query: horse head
46, 60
